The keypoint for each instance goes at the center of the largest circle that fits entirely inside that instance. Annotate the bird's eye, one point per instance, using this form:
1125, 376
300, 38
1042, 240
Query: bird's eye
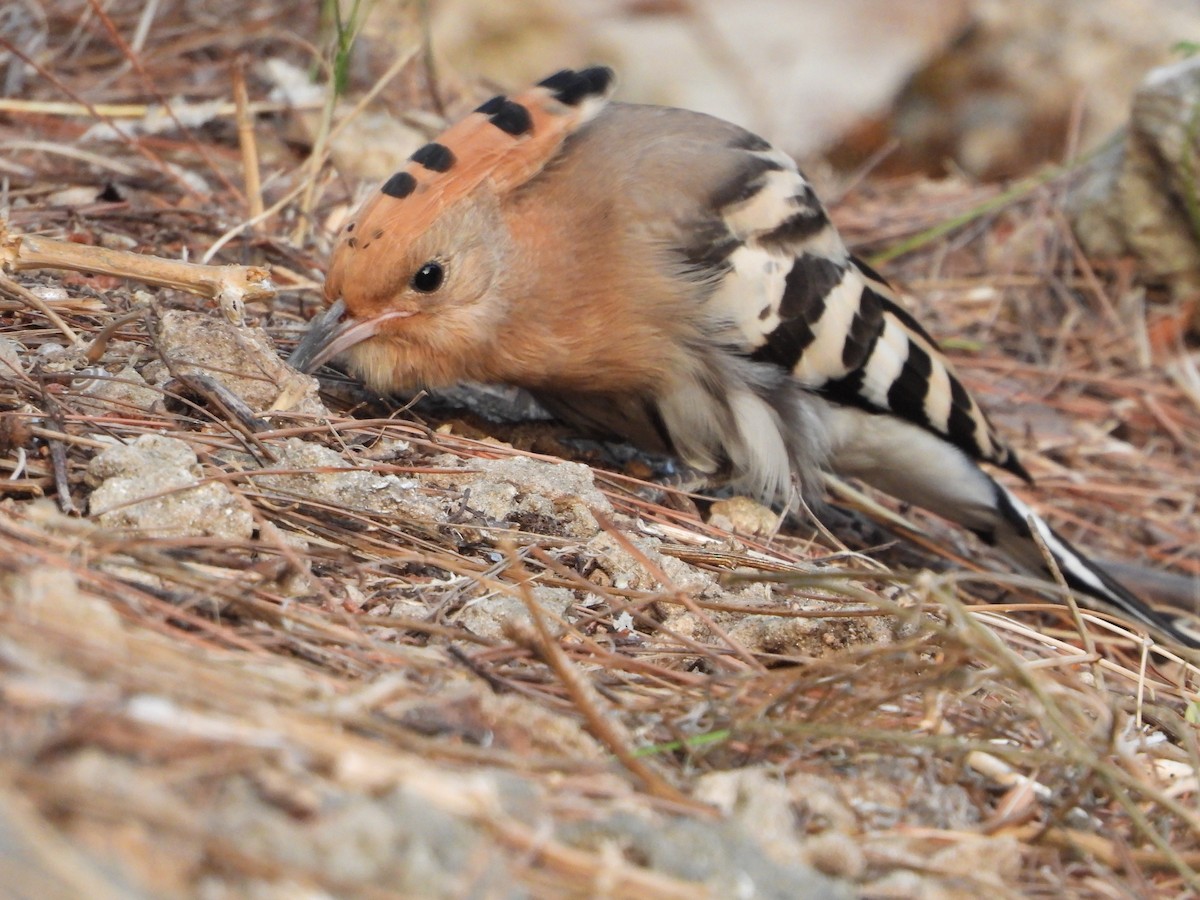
429, 277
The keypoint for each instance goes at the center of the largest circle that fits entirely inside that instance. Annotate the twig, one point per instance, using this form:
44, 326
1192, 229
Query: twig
1048, 560
99, 160
232, 286
101, 341
62, 481
427, 58
236, 412
29, 298
18, 106
145, 21
248, 144
583, 693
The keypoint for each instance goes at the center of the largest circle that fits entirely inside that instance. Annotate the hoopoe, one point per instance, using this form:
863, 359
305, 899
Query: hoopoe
672, 280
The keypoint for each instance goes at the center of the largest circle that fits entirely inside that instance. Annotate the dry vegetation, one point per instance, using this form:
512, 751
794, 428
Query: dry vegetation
253, 646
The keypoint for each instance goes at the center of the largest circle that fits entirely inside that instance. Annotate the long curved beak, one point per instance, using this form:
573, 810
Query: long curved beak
332, 333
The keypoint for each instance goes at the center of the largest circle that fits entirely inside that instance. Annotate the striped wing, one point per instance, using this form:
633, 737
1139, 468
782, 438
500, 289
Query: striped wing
785, 279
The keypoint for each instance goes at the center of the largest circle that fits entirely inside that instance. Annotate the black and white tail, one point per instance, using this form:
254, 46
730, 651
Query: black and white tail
891, 410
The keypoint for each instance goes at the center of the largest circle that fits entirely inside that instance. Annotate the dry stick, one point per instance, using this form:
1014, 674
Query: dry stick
314, 164
248, 144
1048, 560
232, 286
32, 300
1098, 846
583, 695
149, 11
237, 414
1140, 699
135, 110
1064, 229
49, 434
96, 160
105, 335
58, 458
1089, 274
62, 484
1164, 421
427, 60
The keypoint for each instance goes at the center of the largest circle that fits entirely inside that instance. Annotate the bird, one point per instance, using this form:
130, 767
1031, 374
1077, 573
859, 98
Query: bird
670, 279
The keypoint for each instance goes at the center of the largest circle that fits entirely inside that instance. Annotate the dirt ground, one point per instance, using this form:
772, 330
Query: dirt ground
264, 636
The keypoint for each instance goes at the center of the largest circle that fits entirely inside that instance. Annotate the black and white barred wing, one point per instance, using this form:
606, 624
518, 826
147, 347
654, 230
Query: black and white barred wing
805, 304
895, 413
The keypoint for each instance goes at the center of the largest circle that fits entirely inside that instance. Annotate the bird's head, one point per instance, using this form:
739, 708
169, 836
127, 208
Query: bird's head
417, 280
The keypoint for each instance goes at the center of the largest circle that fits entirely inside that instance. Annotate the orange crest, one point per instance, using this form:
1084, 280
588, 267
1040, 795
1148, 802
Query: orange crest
505, 142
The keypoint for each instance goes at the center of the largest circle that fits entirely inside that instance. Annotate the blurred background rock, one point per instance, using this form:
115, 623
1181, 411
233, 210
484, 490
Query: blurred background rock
987, 89
992, 87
